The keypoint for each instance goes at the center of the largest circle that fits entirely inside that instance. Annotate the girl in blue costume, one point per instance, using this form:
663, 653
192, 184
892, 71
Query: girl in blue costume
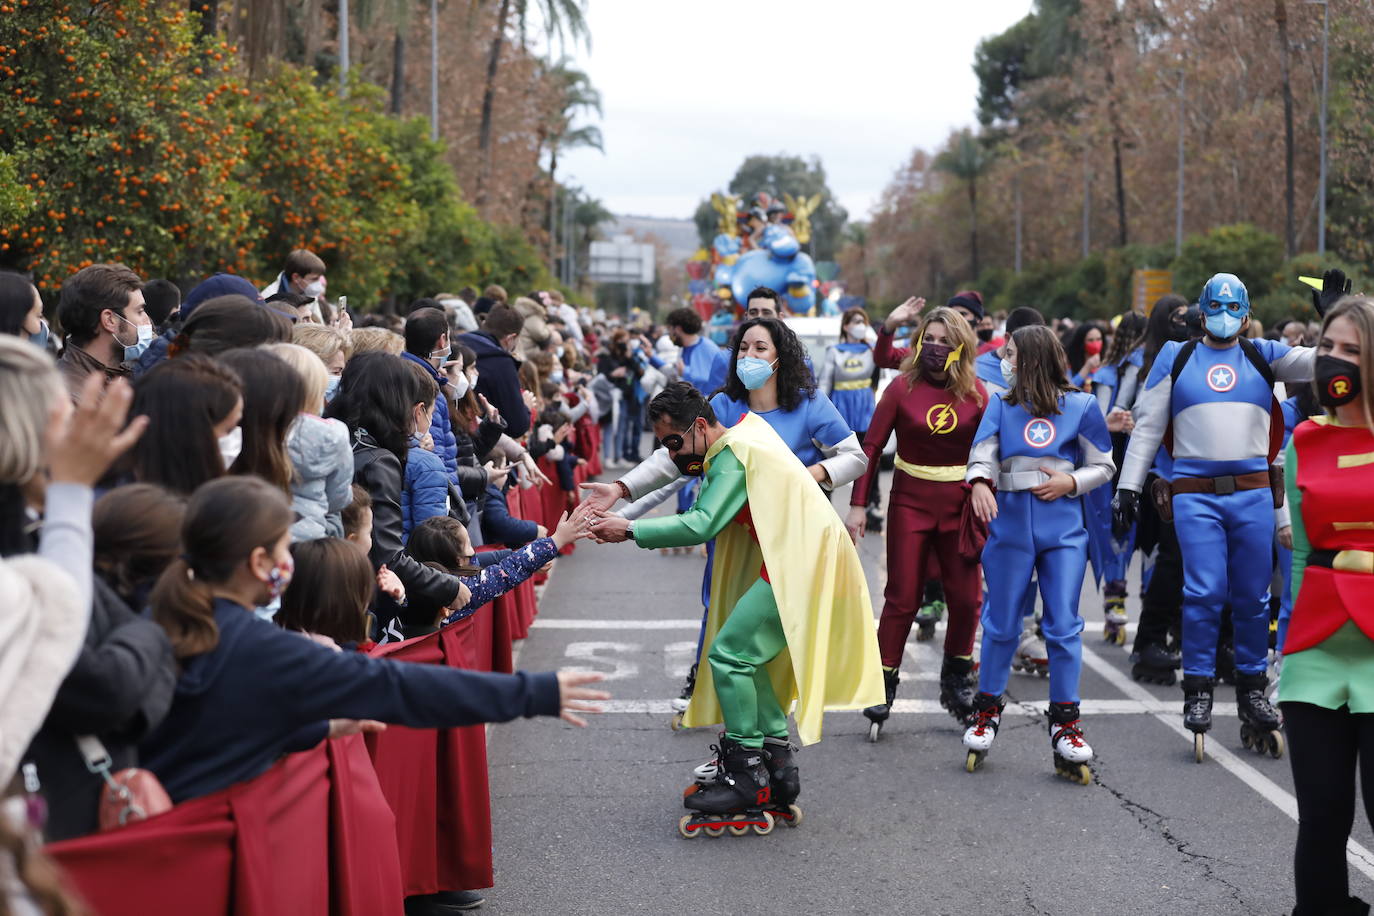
768, 376
847, 378
1040, 447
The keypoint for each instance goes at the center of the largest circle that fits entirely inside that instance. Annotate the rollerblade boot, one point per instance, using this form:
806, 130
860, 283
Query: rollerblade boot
684, 699
736, 799
1031, 655
1114, 612
1154, 664
1259, 721
784, 779
932, 610
1071, 752
957, 687
978, 738
1197, 710
877, 715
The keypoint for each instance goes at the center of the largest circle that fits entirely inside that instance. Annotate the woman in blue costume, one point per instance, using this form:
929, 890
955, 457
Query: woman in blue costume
1041, 446
768, 376
847, 376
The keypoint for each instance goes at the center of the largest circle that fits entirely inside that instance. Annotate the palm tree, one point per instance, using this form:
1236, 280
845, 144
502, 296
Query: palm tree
1290, 238
966, 159
563, 19
576, 94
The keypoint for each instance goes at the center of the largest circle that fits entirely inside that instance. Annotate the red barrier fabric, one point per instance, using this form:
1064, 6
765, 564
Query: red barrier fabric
309, 836
436, 779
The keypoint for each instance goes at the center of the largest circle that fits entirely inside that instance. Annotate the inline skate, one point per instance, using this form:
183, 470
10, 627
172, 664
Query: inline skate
1114, 612
978, 737
1259, 721
1031, 655
684, 699
1071, 752
877, 715
1155, 664
932, 610
1197, 710
784, 780
957, 687
735, 800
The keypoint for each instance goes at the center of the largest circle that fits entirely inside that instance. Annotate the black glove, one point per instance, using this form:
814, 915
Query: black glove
1335, 284
1125, 510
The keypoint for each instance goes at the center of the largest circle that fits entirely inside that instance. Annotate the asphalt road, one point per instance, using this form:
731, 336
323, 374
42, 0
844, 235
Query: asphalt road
586, 819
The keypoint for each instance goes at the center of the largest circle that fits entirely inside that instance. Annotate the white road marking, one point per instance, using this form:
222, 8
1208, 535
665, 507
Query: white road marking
621, 669
932, 707
1359, 856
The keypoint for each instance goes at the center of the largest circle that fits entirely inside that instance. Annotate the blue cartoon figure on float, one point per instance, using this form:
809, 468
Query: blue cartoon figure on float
779, 265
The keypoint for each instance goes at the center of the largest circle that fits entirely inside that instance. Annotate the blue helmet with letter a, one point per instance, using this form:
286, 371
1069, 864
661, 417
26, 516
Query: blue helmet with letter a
1224, 303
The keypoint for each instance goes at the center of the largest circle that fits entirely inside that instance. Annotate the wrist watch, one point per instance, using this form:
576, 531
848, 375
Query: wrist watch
631, 530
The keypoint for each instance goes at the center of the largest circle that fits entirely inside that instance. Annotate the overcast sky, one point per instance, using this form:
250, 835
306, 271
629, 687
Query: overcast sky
690, 89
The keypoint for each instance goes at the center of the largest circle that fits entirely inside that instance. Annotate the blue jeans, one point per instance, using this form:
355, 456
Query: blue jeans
629, 430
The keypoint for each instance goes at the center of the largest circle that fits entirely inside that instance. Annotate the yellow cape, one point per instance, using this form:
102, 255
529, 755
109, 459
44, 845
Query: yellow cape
819, 585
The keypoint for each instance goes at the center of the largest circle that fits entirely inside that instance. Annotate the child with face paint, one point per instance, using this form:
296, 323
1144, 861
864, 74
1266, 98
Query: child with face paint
935, 408
1039, 448
1328, 662
249, 691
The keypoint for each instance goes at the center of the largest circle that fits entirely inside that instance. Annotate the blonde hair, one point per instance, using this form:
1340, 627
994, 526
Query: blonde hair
322, 340
310, 368
1360, 311
961, 380
366, 340
29, 387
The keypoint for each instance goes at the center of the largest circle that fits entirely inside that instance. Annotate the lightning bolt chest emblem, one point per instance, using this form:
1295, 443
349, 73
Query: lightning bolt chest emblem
942, 419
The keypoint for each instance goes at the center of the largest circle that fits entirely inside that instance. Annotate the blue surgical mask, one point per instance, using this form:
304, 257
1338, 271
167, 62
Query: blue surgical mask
145, 337
1008, 373
1223, 325
40, 339
754, 372
331, 388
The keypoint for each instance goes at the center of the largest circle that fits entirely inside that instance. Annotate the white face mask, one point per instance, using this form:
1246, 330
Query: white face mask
314, 290
460, 386
230, 444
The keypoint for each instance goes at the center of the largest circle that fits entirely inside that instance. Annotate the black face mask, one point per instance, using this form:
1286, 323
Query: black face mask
689, 463
1337, 381
984, 334
1178, 328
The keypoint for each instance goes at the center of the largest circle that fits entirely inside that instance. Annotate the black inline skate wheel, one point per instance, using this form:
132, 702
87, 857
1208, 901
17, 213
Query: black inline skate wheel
1199, 747
1276, 745
1246, 741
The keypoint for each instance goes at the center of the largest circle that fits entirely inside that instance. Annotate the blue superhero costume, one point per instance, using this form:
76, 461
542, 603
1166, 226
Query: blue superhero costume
1032, 537
1215, 402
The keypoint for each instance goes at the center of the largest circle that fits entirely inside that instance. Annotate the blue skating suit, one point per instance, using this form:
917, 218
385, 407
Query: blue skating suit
1220, 411
1032, 537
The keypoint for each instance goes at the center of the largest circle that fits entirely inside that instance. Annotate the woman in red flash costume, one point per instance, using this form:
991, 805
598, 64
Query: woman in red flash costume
935, 407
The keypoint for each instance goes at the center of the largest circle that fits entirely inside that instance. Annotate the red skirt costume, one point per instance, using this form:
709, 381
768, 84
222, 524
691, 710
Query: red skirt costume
1338, 515
934, 434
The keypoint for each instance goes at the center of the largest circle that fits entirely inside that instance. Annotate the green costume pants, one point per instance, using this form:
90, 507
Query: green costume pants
751, 637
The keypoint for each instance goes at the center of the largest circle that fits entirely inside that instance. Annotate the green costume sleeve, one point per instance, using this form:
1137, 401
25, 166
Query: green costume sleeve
723, 494
1301, 546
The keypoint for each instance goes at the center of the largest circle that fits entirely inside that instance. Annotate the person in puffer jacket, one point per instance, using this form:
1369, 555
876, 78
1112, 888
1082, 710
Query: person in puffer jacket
321, 453
427, 343
425, 490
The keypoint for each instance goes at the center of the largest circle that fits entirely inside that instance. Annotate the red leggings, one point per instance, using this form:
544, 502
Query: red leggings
923, 522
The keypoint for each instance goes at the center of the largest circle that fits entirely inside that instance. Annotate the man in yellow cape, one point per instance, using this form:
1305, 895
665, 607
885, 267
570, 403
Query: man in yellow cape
789, 616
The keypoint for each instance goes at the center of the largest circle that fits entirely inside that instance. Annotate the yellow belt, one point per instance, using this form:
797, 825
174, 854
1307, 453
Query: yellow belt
940, 473
854, 385
1361, 561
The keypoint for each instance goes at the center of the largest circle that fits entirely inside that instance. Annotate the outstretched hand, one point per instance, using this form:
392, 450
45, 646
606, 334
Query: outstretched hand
573, 525
82, 443
1335, 284
610, 529
855, 522
573, 697
600, 496
905, 314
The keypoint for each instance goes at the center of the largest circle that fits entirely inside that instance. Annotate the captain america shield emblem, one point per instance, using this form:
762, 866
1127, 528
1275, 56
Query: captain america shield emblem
1221, 377
1039, 433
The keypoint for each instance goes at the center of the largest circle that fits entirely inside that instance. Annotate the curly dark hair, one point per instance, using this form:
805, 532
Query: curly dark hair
795, 380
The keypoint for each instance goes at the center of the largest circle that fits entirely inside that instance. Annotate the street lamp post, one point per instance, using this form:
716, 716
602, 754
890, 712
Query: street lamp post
434, 70
1321, 173
343, 46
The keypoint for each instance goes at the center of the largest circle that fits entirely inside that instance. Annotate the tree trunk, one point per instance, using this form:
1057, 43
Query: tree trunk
973, 233
1114, 116
1290, 238
398, 72
488, 98
553, 205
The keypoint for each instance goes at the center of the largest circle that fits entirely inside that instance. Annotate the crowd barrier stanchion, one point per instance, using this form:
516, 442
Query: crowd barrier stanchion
311, 836
436, 779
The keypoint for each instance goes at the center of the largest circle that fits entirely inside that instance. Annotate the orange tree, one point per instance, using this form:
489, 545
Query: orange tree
126, 136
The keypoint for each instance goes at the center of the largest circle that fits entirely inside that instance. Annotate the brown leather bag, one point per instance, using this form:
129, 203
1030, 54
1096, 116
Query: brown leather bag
129, 795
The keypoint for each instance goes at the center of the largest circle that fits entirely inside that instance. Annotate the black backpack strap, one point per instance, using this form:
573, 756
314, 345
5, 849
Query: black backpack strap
1252, 353
1181, 360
